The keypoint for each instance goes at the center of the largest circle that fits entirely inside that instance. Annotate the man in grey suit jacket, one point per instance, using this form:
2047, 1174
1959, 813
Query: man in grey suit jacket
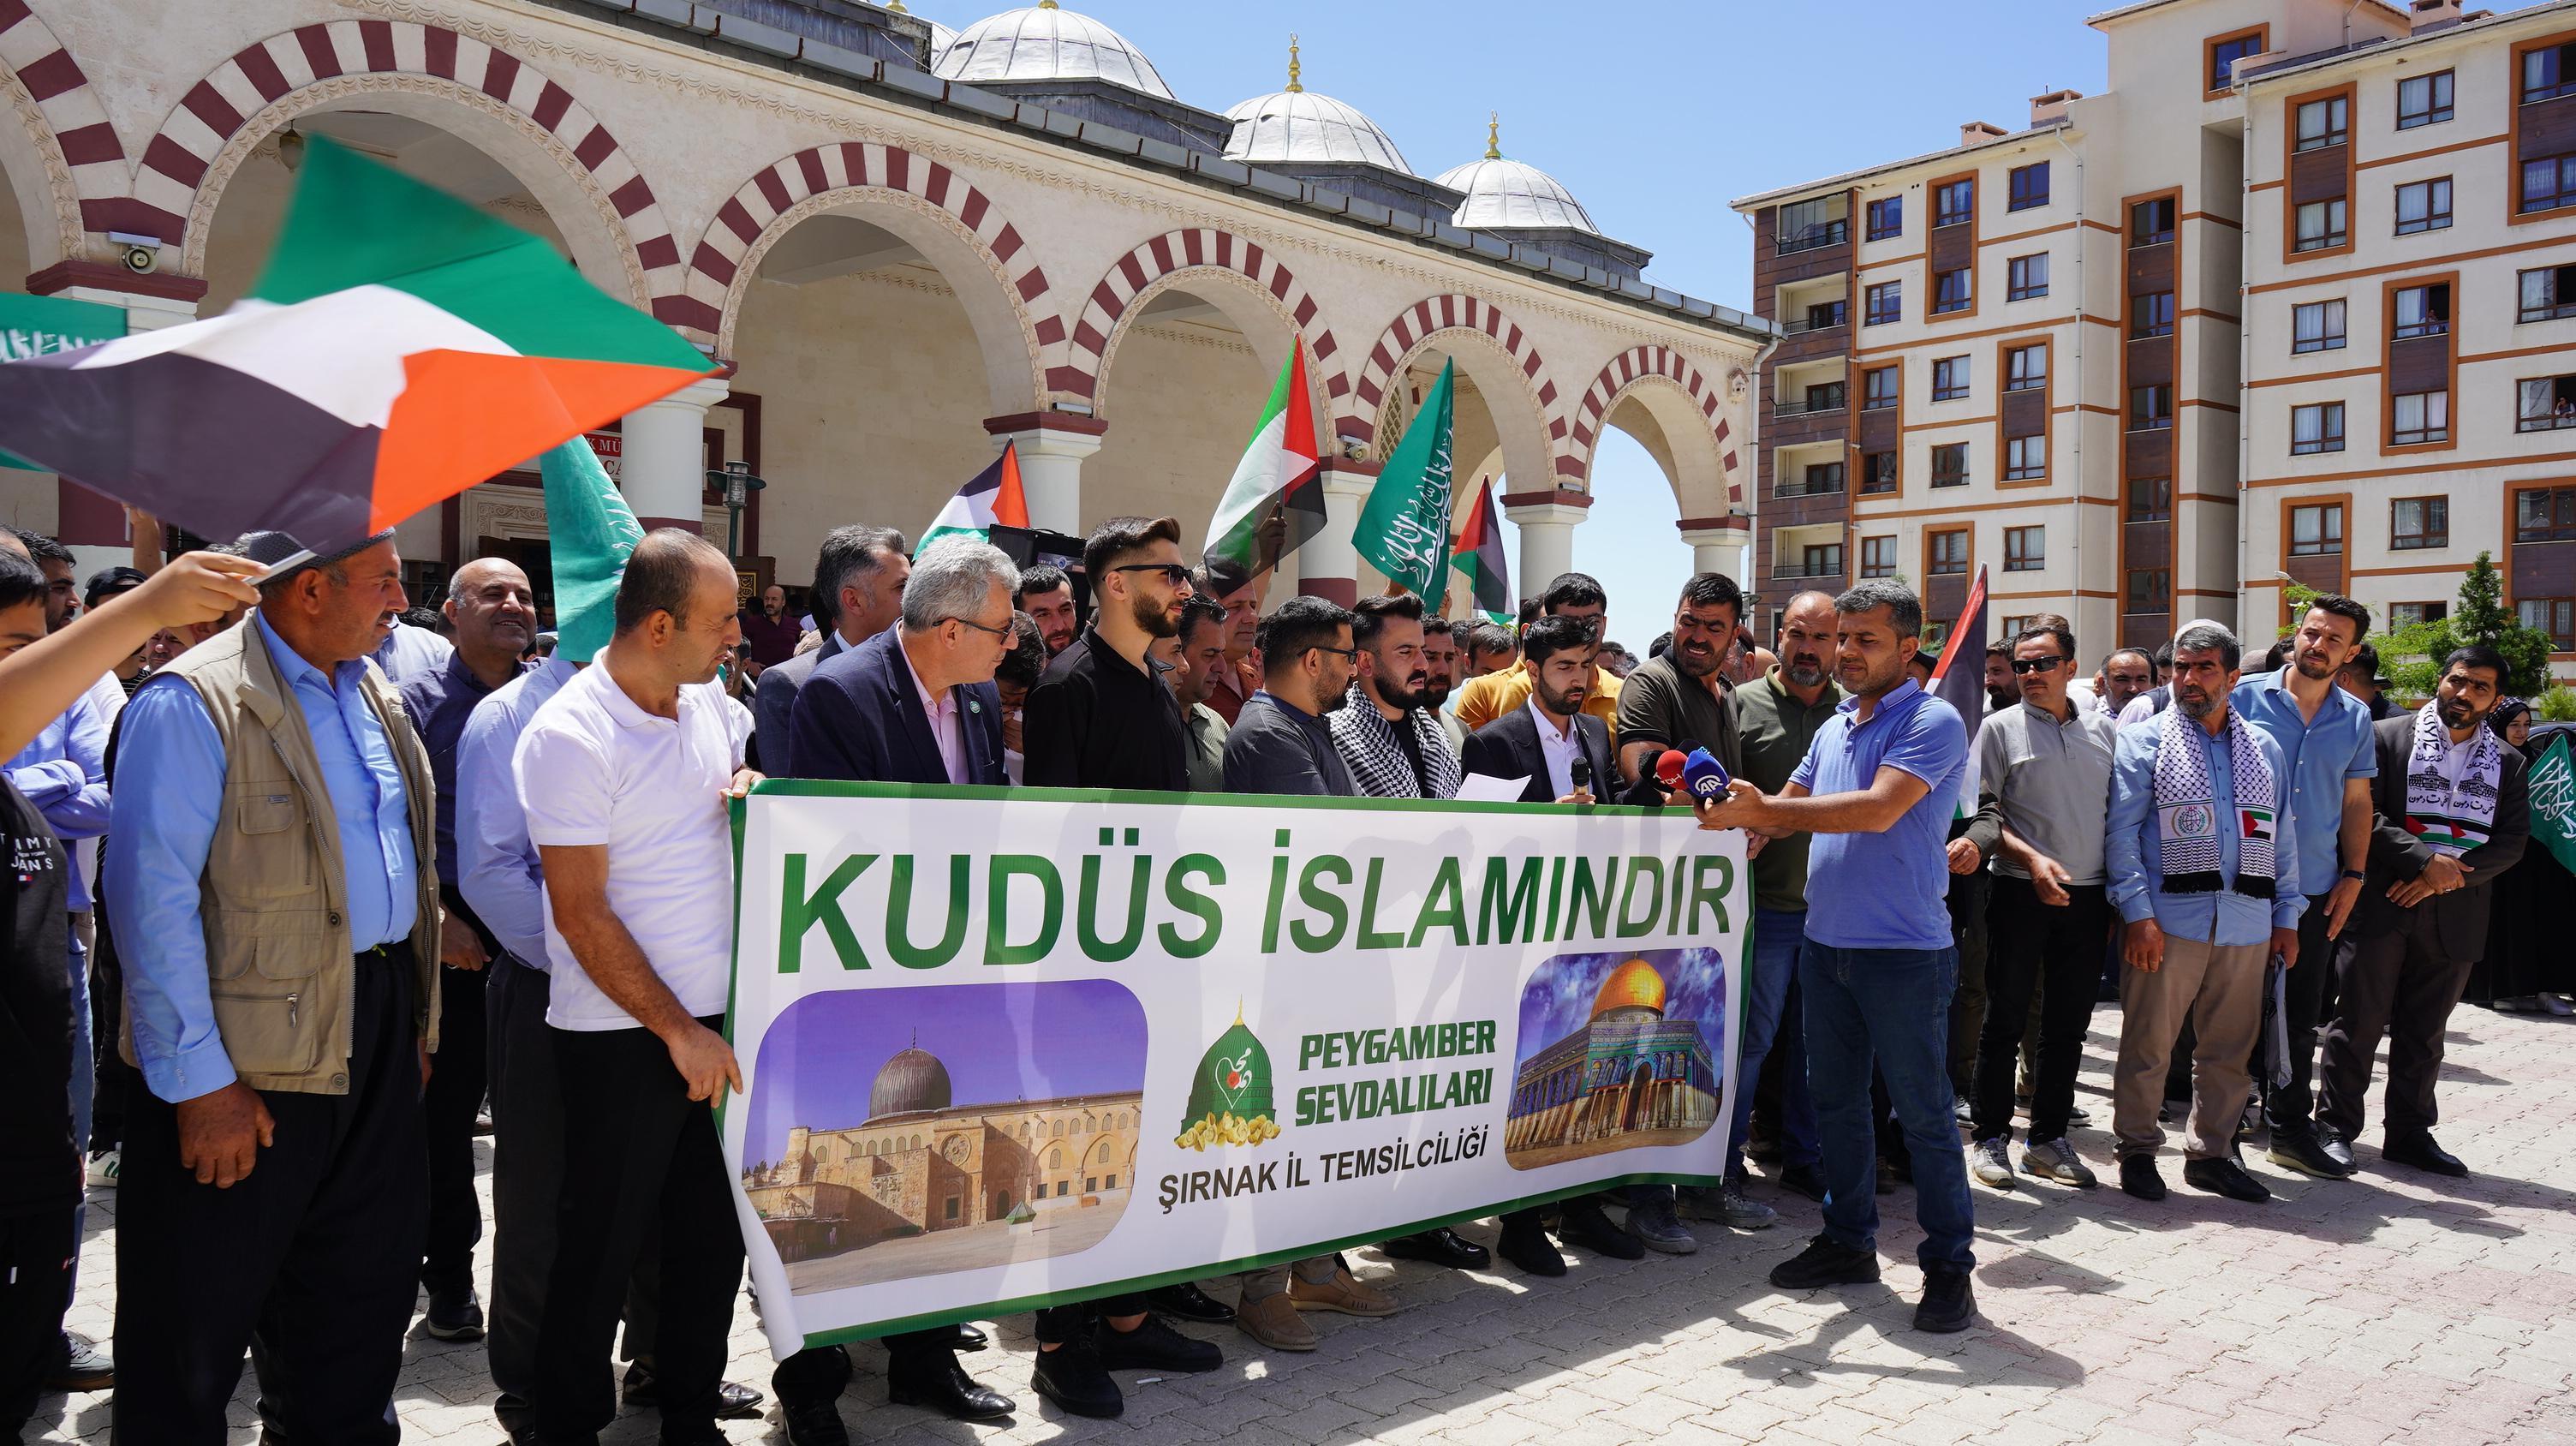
858, 593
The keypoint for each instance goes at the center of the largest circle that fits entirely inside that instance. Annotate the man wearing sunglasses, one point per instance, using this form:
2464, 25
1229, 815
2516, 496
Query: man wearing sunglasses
2045, 766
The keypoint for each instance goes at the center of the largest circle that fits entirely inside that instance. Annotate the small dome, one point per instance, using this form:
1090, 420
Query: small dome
941, 37
912, 1080
1633, 985
1299, 125
1043, 42
1504, 195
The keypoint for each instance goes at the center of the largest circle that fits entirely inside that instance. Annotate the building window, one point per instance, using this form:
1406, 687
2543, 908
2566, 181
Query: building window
1880, 387
1954, 203
2029, 186
2025, 550
1886, 218
1953, 291
1950, 464
2026, 369
2324, 123
2548, 293
1821, 316
1878, 557
2424, 206
2015, 624
2415, 523
1949, 378
1817, 479
2026, 277
1883, 303
2224, 54
2321, 225
2407, 615
2423, 100
2152, 314
2555, 616
1877, 472
1822, 560
2150, 590
2548, 182
2151, 222
2545, 404
2025, 458
2316, 531
2415, 418
1810, 224
2548, 73
2150, 499
1949, 556
1818, 397
2316, 326
2151, 408
2317, 427
2545, 514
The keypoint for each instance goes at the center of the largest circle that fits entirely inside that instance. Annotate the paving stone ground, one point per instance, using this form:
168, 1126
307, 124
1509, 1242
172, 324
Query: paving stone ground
2391, 1307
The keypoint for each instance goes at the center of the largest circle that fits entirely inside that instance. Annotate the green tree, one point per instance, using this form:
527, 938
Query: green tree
2412, 656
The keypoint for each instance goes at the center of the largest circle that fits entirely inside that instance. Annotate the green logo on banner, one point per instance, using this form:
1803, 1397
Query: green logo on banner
1230, 1101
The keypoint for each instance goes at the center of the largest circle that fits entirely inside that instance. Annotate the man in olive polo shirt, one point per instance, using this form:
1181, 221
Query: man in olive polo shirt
1680, 698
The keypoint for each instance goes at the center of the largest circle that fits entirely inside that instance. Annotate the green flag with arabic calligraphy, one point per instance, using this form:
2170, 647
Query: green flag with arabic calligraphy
1404, 530
2553, 803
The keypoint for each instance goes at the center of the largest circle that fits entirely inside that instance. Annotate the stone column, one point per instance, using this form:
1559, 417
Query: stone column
91, 525
663, 460
1329, 565
1547, 521
1052, 448
1720, 544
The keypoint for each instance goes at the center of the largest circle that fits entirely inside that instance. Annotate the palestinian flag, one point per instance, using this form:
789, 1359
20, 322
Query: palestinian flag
1959, 680
993, 499
1276, 498
401, 347
1478, 553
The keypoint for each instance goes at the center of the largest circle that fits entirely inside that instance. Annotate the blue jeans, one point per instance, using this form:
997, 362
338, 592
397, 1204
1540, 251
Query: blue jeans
1770, 965
1890, 1007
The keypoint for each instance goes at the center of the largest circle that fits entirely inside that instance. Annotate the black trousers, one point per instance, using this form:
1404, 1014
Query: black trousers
36, 1253
454, 1096
2304, 991
2401, 985
1057, 1324
1970, 897
638, 1156
823, 1372
312, 1260
2056, 950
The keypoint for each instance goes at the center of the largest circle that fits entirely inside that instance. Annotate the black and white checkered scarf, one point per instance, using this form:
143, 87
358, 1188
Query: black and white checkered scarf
1377, 761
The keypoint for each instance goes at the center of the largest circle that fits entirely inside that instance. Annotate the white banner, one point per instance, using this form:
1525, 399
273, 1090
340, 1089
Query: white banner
1011, 1048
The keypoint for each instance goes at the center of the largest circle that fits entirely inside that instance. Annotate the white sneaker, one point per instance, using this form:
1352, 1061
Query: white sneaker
102, 1170
1989, 1163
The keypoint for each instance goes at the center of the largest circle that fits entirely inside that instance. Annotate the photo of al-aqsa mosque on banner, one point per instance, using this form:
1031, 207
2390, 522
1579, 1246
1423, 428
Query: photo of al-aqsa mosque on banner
1617, 1051
898, 1133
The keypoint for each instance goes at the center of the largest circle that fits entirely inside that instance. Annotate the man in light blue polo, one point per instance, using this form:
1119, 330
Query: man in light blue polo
1878, 789
2324, 736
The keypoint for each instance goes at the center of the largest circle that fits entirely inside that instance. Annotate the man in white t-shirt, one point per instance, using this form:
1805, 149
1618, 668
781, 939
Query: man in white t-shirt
624, 774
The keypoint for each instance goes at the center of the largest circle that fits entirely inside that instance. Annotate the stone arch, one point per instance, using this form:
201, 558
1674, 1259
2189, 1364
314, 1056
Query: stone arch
63, 158
489, 97
1078, 367
1684, 403
1501, 358
930, 207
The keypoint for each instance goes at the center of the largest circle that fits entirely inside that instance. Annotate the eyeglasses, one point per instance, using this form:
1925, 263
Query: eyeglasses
1173, 572
1350, 655
2035, 665
1003, 631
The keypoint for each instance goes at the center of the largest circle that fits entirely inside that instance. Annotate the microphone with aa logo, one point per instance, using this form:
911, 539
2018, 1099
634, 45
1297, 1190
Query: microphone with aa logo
1704, 776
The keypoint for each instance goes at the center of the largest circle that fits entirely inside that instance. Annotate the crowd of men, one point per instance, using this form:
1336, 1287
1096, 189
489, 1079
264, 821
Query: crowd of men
360, 880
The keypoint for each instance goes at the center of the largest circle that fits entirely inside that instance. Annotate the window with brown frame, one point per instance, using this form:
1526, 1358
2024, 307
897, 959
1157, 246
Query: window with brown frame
2029, 186
2407, 615
2548, 293
2324, 123
1950, 465
2424, 206
2150, 500
2415, 418
1880, 387
2025, 550
2026, 369
2423, 100
2151, 222
1883, 303
2555, 616
2316, 427
2151, 408
2321, 226
2026, 277
2149, 590
1878, 556
2151, 313
1949, 378
2316, 530
2545, 514
2421, 311
1953, 290
2224, 55
1877, 472
1954, 203
2025, 458
1948, 553
1886, 218
2419, 522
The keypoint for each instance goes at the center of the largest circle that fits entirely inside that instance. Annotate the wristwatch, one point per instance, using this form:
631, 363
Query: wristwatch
2354, 874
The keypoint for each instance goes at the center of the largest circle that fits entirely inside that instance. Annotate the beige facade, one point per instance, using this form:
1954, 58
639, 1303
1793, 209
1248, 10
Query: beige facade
900, 270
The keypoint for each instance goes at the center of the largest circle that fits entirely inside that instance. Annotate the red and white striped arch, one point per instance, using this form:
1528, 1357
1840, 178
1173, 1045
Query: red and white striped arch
1642, 365
1074, 367
77, 122
1418, 323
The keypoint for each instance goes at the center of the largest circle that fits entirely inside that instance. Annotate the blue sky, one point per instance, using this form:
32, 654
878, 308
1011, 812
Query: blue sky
1655, 113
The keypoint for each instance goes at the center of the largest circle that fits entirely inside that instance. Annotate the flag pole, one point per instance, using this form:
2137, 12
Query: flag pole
283, 566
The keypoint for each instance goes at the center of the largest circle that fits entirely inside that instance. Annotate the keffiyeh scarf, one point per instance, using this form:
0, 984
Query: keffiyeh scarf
1378, 762
2451, 816
2187, 816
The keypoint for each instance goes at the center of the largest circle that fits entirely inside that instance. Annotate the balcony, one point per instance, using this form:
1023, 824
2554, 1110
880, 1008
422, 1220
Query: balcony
1814, 237
1831, 483
1807, 567
1815, 399
1819, 319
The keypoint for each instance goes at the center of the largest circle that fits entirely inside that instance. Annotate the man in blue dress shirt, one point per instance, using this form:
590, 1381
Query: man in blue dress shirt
268, 873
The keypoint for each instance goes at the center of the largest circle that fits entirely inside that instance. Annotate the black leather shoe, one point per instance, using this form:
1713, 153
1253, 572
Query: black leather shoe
733, 1402
454, 1314
80, 1364
1583, 1224
1825, 1262
1187, 1302
1071, 1376
2336, 1148
1154, 1346
518, 1418
969, 1338
2302, 1151
696, 1433
1949, 1302
1526, 1245
2224, 1177
1438, 1247
1802, 1180
814, 1423
944, 1386
2138, 1176
2419, 1151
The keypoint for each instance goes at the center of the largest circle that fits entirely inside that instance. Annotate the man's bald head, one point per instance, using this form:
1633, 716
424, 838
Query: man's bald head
9, 543
494, 611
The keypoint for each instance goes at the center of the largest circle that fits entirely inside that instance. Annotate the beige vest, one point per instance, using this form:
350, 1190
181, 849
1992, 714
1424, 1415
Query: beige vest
273, 896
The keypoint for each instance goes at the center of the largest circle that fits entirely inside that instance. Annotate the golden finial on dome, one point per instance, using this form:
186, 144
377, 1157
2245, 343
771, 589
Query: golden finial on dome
895, 7
1494, 136
1046, 4
1294, 86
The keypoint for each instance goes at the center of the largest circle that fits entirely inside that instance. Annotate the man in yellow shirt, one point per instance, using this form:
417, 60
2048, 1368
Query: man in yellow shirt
1571, 595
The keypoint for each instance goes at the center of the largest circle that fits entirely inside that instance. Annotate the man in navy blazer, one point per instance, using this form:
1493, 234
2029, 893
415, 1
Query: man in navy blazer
1511, 746
913, 704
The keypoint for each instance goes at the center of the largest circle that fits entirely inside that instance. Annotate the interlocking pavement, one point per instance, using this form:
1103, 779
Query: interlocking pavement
2391, 1307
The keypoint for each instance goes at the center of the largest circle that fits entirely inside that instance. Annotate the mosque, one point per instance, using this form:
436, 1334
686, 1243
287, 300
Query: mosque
920, 1163
904, 246
1628, 1071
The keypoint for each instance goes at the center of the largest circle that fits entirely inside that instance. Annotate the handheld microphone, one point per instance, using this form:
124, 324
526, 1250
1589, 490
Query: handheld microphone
1668, 769
1582, 774
1703, 775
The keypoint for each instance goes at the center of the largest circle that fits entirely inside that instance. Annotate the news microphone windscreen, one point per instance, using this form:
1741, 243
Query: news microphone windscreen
1703, 775
1582, 773
1669, 767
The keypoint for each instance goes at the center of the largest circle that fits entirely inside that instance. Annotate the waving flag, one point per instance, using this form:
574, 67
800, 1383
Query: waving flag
1280, 477
1960, 680
400, 347
993, 499
1404, 529
590, 533
1478, 554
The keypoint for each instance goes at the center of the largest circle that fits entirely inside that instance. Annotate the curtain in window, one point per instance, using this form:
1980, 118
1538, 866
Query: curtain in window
2539, 399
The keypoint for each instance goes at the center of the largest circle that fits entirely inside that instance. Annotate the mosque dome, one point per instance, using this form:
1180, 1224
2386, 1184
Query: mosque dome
941, 37
1510, 195
1045, 42
1633, 985
1298, 126
912, 1080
